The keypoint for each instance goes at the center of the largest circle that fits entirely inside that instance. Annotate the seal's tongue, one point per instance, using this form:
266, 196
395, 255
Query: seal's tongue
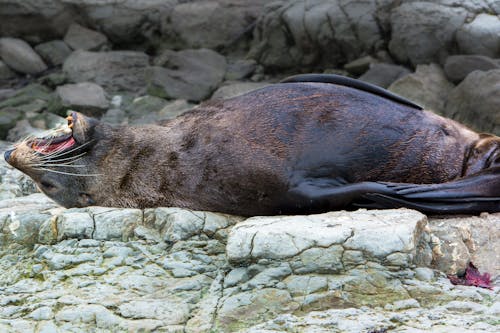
46, 146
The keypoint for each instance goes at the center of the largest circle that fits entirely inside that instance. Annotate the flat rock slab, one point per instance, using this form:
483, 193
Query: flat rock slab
86, 97
389, 236
81, 38
188, 74
172, 269
115, 71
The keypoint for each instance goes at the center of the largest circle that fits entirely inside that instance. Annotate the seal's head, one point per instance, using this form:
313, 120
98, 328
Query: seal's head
58, 161
483, 155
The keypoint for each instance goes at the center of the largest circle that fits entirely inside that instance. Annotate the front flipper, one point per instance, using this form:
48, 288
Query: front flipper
320, 194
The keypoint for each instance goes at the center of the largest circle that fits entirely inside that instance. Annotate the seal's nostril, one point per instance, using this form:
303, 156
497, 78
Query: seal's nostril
6, 155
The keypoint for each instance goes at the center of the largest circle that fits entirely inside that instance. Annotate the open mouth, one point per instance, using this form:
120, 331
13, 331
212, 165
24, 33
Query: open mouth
59, 139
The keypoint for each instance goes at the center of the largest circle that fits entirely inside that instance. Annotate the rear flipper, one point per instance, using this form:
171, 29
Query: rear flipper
470, 195
464, 206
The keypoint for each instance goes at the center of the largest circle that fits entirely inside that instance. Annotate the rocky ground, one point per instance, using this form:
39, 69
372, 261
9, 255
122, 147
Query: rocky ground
173, 270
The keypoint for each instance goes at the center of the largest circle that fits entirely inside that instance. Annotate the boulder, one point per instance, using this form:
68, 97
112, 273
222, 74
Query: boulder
32, 98
54, 52
189, 74
424, 32
86, 97
481, 36
8, 119
475, 101
384, 75
315, 33
360, 65
457, 67
240, 69
428, 87
5, 72
19, 55
115, 71
82, 38
210, 24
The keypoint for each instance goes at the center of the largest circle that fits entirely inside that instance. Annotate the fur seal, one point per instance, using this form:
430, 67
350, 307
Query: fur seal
309, 144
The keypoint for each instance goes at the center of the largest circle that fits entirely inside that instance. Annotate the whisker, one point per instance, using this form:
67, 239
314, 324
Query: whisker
69, 173
58, 165
74, 158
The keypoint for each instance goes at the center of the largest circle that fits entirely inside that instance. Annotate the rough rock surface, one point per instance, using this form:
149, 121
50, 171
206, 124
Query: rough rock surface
115, 71
171, 269
475, 101
424, 31
19, 55
210, 24
86, 97
384, 75
459, 66
81, 38
428, 87
54, 52
5, 72
303, 33
188, 74
481, 36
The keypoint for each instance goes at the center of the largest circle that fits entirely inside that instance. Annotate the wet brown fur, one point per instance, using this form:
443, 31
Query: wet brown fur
243, 155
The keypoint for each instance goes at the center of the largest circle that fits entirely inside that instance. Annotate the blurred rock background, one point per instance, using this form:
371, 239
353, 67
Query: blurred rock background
172, 270
142, 61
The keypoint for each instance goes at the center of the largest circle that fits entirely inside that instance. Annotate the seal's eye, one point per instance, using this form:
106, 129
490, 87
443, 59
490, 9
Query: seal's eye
46, 185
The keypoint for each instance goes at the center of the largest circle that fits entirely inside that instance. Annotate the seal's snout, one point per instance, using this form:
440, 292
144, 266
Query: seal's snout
7, 154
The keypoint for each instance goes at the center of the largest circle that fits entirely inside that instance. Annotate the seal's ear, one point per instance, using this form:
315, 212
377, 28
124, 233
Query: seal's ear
82, 126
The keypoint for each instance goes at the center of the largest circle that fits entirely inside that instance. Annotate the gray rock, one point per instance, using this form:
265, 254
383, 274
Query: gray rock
190, 74
32, 98
155, 309
481, 36
82, 38
112, 224
229, 90
188, 285
115, 71
384, 75
360, 65
312, 33
457, 67
8, 120
475, 101
462, 239
5, 72
424, 273
210, 24
74, 224
144, 110
240, 69
285, 237
54, 52
424, 32
86, 97
428, 87
18, 55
